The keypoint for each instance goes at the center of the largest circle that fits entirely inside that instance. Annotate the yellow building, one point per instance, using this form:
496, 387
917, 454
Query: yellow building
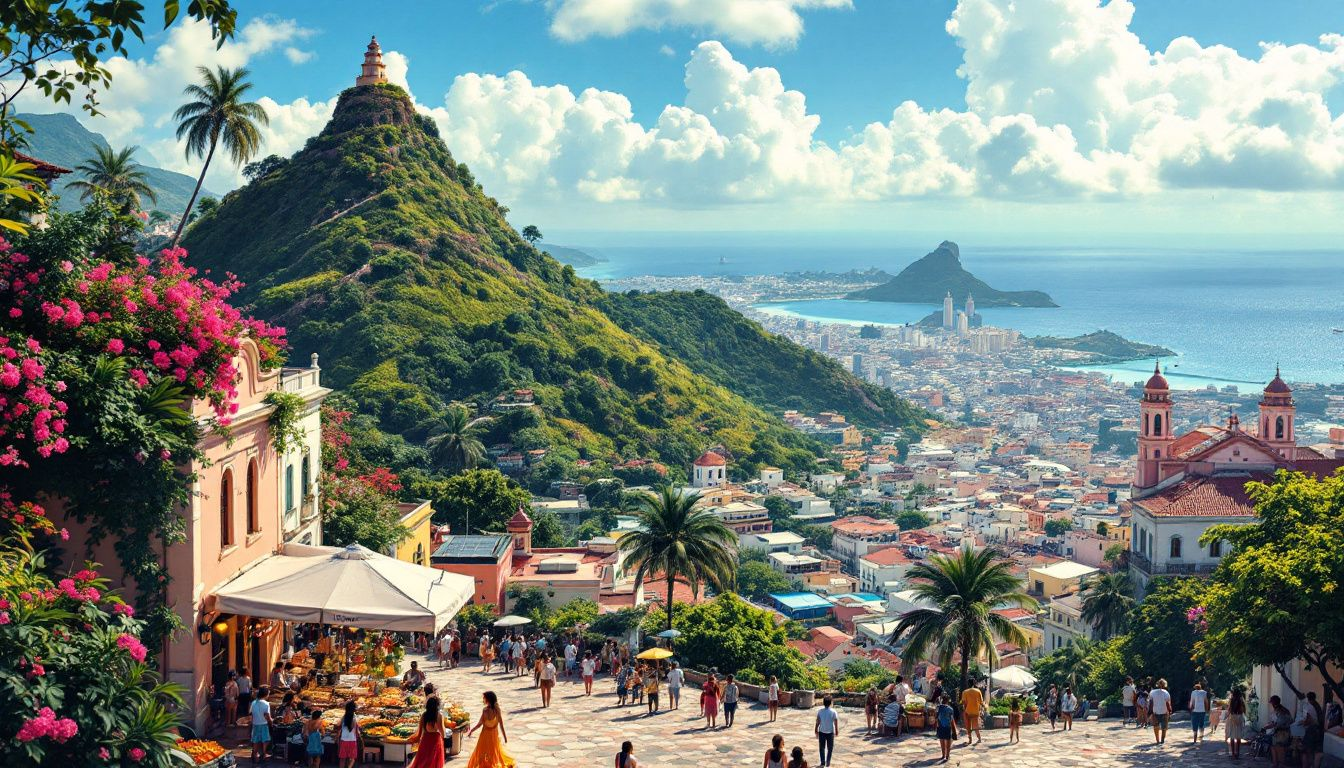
1063, 577
418, 517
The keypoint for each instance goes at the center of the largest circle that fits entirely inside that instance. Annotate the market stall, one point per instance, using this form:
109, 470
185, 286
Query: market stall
352, 588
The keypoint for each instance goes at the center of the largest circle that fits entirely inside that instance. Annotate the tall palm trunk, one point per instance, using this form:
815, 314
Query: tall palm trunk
199, 181
671, 580
965, 667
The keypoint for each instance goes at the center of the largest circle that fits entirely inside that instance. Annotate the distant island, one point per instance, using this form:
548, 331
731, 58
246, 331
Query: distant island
860, 276
1106, 346
571, 256
938, 273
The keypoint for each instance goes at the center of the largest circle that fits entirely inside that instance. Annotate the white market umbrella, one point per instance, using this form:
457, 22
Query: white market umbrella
512, 621
1013, 678
351, 586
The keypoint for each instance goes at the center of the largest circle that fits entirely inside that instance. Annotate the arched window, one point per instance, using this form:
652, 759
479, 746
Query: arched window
307, 475
253, 514
1147, 423
1157, 425
1175, 546
1157, 453
1215, 548
289, 487
1278, 428
419, 553
226, 509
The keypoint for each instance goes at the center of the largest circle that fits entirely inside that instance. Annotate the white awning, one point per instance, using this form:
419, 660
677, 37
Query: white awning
351, 586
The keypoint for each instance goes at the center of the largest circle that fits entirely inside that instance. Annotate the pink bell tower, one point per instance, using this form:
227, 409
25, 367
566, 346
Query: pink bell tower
1155, 433
1276, 417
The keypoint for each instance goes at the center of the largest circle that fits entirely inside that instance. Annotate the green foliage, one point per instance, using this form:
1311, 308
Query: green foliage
68, 650
478, 615
1106, 345
575, 612
286, 411
478, 500
529, 602
757, 580
733, 635
620, 622
1161, 639
859, 675
1276, 594
454, 444
1057, 527
677, 540
912, 520
1107, 602
439, 300
548, 531
960, 592
365, 517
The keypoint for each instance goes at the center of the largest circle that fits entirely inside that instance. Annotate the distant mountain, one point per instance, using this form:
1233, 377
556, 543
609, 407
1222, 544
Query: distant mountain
61, 139
1106, 346
928, 280
571, 256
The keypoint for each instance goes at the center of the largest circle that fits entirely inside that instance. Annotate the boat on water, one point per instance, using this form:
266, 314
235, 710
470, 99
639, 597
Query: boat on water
723, 259
1337, 330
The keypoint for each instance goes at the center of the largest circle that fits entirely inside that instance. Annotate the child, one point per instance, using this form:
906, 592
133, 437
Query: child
1014, 720
636, 685
946, 719
622, 677
312, 737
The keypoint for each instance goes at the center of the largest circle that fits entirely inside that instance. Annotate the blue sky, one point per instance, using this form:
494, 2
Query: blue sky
795, 119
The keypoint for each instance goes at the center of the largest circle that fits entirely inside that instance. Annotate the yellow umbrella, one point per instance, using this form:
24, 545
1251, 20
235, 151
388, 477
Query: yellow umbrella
655, 653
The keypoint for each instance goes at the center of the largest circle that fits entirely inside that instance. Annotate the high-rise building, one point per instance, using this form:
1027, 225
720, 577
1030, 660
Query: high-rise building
963, 324
825, 342
948, 317
857, 365
970, 306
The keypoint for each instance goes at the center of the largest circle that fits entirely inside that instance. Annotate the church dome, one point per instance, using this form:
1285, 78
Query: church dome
1277, 386
1157, 380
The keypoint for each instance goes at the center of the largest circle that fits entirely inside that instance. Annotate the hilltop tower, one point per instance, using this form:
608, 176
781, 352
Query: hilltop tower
1276, 416
520, 528
1155, 435
948, 317
372, 72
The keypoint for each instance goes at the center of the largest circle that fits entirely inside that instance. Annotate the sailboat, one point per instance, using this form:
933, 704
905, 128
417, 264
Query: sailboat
723, 259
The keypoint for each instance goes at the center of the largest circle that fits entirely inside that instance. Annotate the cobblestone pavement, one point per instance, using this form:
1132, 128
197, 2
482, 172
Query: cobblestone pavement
587, 731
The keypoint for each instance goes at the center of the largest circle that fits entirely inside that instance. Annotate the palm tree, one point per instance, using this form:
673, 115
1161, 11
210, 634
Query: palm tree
217, 112
1107, 601
958, 595
676, 539
454, 444
115, 174
1074, 660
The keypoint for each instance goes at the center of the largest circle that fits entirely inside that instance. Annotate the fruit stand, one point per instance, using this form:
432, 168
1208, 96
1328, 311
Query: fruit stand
206, 753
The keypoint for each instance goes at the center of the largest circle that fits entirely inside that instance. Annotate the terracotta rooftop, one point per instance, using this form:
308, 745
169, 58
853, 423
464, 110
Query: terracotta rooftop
710, 459
1217, 496
886, 556
862, 525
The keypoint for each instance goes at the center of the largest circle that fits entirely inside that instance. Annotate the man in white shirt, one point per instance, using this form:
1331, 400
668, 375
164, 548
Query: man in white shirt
1199, 711
674, 680
587, 667
1159, 703
1127, 695
827, 725
445, 648
571, 658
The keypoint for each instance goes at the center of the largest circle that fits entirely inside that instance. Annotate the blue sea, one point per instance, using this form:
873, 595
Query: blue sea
1231, 315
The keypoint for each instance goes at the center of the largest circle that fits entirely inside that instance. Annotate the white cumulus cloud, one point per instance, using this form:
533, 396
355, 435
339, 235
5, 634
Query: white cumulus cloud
755, 22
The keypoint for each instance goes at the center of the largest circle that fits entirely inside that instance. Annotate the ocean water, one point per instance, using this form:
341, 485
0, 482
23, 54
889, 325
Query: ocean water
1230, 315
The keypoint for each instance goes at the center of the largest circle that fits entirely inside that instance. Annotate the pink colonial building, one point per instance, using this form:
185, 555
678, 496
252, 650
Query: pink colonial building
1184, 484
247, 501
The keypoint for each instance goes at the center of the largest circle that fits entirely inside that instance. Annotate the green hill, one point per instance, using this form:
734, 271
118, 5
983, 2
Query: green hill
1106, 346
61, 139
932, 277
380, 252
571, 256
718, 342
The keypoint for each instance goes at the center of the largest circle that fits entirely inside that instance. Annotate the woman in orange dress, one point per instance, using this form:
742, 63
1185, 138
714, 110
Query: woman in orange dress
430, 736
489, 751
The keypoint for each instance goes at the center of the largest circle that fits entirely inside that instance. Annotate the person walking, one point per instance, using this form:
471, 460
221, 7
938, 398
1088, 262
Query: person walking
675, 679
651, 689
1313, 732
261, 725
1199, 711
231, 700
1141, 706
429, 736
827, 725
1015, 720
729, 702
520, 650
487, 655
587, 668
870, 708
1052, 704
445, 646
1236, 722
244, 690
772, 698
1068, 704
709, 701
774, 756
547, 680
489, 751
946, 720
350, 741
971, 702
1159, 704
571, 659
626, 757
1281, 723
1127, 695
312, 738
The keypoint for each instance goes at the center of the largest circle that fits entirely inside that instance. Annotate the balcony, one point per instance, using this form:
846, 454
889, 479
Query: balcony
1143, 563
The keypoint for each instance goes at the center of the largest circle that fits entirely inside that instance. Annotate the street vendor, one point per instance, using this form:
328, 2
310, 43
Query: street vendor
414, 677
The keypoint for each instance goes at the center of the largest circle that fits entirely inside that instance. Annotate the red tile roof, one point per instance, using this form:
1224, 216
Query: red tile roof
887, 556
710, 459
862, 525
1218, 496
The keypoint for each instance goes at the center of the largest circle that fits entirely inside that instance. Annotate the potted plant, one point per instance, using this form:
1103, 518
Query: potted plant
998, 713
